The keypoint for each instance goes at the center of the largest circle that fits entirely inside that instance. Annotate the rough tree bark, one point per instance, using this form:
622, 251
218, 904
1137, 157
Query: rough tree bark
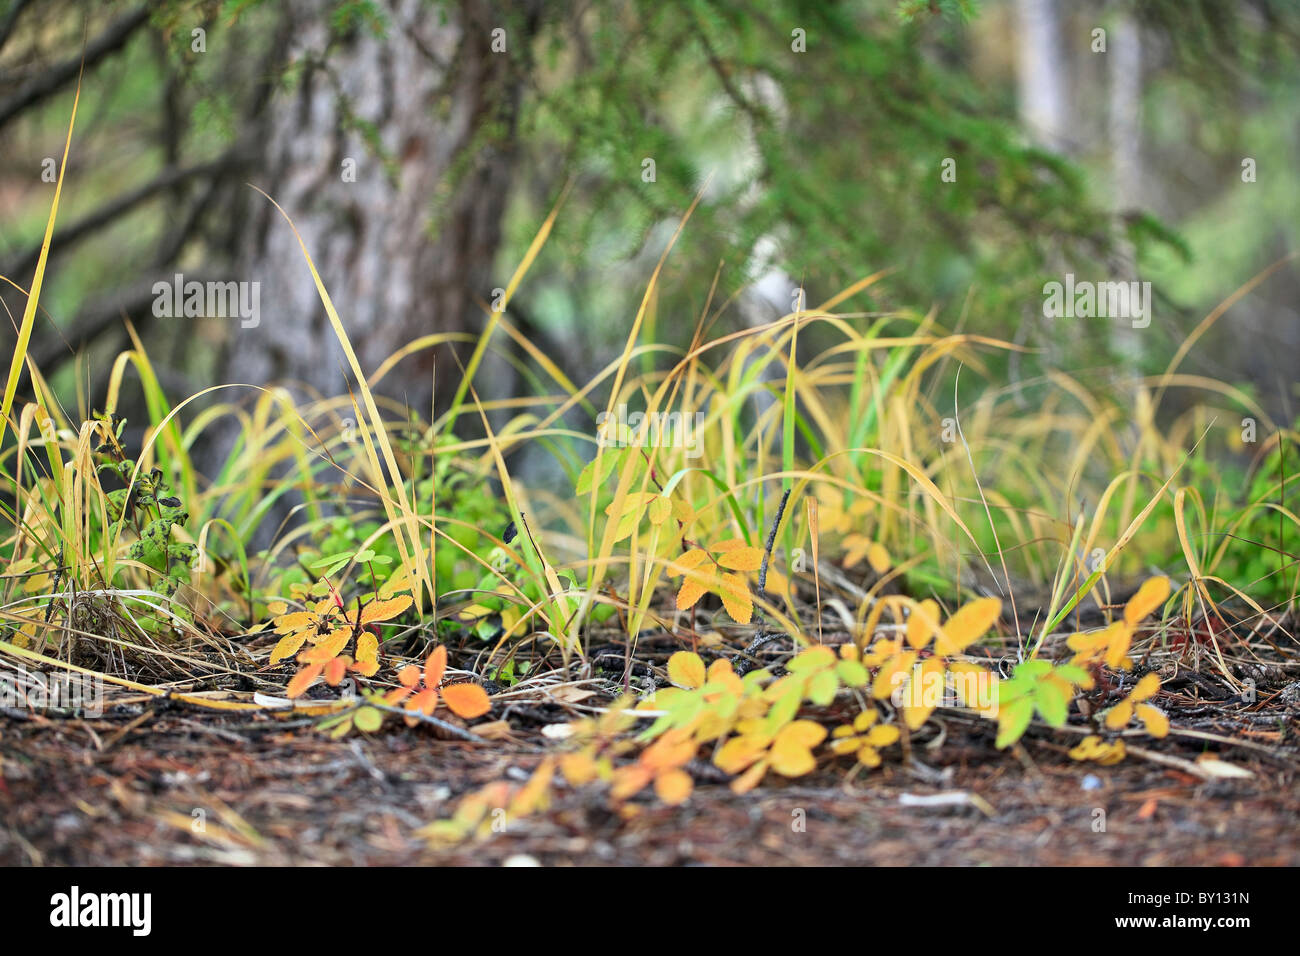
407, 248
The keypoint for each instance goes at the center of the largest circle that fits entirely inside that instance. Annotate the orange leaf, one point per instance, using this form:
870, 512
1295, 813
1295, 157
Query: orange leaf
335, 669
435, 666
303, 679
426, 701
466, 700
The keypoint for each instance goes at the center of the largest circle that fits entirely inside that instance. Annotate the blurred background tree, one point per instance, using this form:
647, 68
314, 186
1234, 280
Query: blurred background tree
977, 150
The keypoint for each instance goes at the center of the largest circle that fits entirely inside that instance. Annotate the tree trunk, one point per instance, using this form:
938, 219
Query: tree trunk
426, 117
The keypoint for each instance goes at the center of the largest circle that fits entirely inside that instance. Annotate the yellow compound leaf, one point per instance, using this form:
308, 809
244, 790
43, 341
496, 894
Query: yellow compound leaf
1150, 596
466, 700
686, 670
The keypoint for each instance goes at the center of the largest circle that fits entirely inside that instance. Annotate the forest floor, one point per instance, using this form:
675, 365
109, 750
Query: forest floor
158, 783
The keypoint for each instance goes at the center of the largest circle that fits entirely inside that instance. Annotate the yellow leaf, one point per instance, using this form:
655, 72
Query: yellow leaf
922, 623
922, 695
735, 598
967, 626
888, 679
691, 591
1156, 722
802, 733
686, 670
1120, 715
578, 768
367, 647
288, 646
790, 758
750, 778
692, 559
299, 620
466, 700
673, 786
1150, 596
1148, 686
878, 557
659, 510
385, 610
738, 753
741, 559
330, 646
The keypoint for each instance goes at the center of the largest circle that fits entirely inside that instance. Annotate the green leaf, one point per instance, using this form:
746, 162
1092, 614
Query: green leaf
1013, 719
369, 719
852, 674
822, 687
1053, 703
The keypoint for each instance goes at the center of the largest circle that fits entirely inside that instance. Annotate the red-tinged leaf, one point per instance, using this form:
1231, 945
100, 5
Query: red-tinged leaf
303, 679
435, 666
466, 700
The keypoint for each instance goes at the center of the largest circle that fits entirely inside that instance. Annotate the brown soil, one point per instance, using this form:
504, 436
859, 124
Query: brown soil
172, 786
